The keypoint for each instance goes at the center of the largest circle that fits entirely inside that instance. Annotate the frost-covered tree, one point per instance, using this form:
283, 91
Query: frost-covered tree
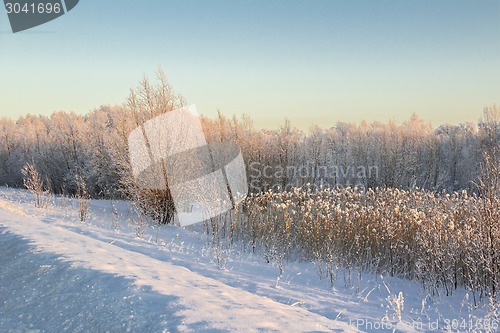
147, 102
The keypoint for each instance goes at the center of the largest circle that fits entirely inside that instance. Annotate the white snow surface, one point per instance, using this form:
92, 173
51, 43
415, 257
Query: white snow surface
58, 274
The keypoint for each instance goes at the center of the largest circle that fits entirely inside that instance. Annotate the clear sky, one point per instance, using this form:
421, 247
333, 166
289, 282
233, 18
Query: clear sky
312, 61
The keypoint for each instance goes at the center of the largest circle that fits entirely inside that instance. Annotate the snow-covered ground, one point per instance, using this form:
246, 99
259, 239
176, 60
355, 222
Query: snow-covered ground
58, 274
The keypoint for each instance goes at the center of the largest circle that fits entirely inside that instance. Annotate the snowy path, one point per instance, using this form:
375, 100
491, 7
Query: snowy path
192, 302
40, 293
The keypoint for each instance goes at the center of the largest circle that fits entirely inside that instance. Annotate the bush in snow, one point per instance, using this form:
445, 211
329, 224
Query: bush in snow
34, 183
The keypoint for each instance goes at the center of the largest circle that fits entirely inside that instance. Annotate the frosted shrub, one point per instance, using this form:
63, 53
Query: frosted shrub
396, 303
34, 183
82, 196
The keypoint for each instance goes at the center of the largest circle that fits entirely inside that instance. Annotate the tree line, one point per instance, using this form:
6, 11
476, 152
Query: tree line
66, 145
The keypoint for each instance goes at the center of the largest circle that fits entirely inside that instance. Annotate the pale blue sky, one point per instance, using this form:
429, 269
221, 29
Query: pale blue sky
312, 61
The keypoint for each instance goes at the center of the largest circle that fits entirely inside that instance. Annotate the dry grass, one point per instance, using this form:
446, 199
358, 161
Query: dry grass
442, 240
